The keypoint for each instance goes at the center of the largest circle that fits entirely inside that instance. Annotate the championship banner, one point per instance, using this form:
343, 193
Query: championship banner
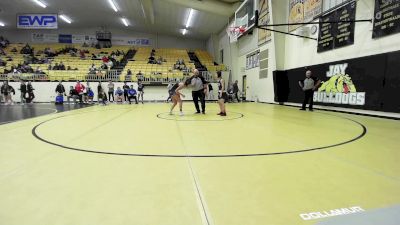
78, 39
131, 41
44, 38
253, 60
264, 19
369, 83
37, 21
296, 13
65, 38
386, 18
335, 35
312, 8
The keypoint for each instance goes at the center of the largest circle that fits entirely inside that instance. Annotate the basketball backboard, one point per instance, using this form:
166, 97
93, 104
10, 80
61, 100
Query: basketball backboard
245, 15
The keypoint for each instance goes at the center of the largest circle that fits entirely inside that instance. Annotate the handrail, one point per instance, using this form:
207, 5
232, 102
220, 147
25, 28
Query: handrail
110, 75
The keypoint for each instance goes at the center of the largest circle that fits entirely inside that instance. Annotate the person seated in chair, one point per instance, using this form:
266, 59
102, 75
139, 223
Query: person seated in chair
119, 93
61, 66
90, 95
72, 94
132, 95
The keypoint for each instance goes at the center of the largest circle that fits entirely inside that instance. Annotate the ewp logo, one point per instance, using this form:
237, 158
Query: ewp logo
37, 21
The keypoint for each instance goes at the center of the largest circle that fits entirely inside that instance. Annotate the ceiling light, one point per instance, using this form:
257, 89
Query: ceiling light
184, 31
190, 17
66, 19
125, 21
2, 24
113, 6
40, 3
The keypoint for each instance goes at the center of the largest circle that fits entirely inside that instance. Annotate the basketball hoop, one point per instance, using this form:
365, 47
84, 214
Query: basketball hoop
235, 32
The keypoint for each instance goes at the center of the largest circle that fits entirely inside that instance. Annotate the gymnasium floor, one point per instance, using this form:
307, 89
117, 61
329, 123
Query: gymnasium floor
135, 164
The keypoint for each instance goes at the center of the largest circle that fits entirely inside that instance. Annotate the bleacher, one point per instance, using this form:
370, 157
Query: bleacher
80, 67
207, 60
157, 71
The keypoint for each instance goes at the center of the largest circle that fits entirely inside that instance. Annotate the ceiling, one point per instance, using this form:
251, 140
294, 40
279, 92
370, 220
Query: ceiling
157, 16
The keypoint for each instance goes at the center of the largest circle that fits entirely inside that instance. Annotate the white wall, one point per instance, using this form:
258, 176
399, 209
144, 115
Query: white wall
45, 91
288, 52
157, 41
235, 58
302, 52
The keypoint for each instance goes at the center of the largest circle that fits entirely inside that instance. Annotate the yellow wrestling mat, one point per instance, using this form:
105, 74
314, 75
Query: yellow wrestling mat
136, 164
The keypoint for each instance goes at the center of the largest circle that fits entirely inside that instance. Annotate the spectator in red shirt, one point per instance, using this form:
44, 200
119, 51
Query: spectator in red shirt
105, 59
80, 88
82, 53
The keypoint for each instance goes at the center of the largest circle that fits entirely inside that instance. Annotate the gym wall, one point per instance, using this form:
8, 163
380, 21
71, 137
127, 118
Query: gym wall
301, 52
45, 91
288, 52
156, 41
368, 83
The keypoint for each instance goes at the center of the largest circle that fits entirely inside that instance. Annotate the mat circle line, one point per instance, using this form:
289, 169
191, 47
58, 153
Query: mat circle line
362, 134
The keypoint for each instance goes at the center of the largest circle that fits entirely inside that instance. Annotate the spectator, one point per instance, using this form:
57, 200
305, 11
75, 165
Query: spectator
61, 66
102, 97
56, 67
110, 64
38, 70
6, 92
72, 94
236, 91
82, 54
92, 69
3, 63
110, 91
230, 93
86, 93
8, 95
2, 52
26, 50
119, 93
69, 68
139, 75
30, 90
126, 88
49, 67
105, 59
60, 90
90, 95
104, 66
23, 90
80, 88
129, 72
132, 95
100, 90
151, 60
141, 90
3, 88
169, 87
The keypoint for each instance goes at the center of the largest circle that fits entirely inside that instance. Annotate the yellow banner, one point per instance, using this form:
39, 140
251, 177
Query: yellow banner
296, 13
312, 8
264, 18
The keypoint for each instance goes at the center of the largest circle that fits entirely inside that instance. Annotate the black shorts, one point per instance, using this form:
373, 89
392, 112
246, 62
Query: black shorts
223, 96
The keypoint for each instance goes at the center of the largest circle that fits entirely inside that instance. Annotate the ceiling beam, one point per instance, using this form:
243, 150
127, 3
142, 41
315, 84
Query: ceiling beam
211, 6
148, 10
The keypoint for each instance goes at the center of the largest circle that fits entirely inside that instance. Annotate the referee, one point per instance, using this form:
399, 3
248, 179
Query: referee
199, 88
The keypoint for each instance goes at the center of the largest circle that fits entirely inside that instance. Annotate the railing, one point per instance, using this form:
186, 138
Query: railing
111, 75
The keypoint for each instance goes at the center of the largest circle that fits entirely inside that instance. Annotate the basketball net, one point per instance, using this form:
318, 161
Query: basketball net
235, 32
